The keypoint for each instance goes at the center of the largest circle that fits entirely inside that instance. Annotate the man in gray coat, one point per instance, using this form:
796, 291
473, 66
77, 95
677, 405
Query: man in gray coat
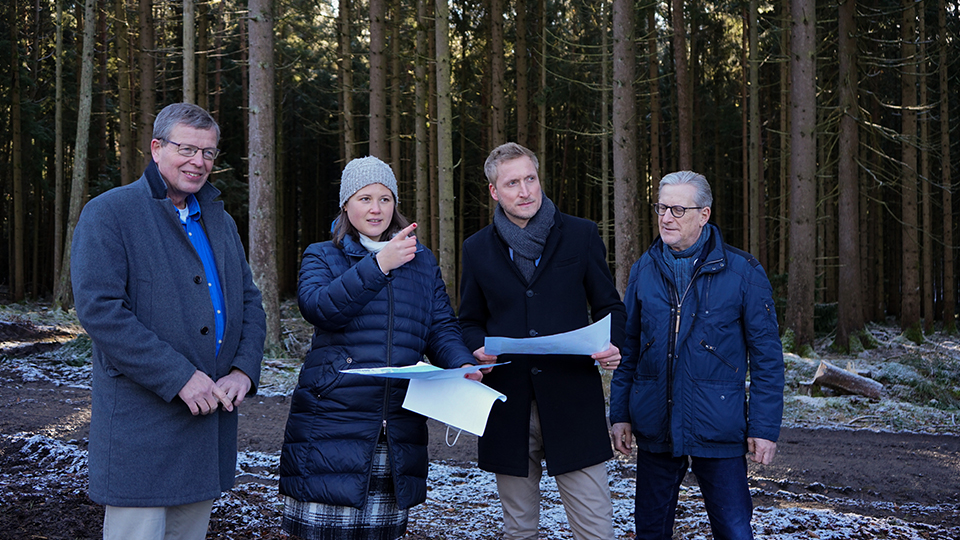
163, 288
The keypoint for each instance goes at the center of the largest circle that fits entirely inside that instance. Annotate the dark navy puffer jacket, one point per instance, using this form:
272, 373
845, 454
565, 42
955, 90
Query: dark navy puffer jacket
682, 380
364, 319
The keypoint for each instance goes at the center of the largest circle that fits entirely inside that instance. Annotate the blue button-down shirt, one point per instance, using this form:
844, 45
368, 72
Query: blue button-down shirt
198, 238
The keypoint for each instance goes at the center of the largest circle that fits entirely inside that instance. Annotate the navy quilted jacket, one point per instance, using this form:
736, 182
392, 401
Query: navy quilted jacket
682, 380
363, 319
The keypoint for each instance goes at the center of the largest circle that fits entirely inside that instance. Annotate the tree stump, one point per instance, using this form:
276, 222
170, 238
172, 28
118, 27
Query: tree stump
840, 379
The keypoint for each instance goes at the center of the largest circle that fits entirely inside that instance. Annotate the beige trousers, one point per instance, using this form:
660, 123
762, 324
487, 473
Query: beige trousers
585, 494
184, 522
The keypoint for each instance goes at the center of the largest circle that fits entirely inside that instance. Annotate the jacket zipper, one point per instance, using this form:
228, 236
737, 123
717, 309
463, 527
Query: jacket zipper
386, 389
672, 350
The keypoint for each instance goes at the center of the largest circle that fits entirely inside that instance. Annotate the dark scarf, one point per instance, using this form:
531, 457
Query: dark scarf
683, 262
527, 243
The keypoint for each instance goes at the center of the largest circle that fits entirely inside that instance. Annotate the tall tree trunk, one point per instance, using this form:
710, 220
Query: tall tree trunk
498, 114
126, 97
910, 284
395, 91
624, 140
929, 293
63, 296
850, 302
653, 55
421, 102
949, 284
684, 92
433, 153
542, 102
784, 142
521, 53
189, 51
58, 158
346, 83
803, 170
378, 80
262, 166
605, 127
17, 159
218, 61
447, 248
202, 56
755, 209
148, 77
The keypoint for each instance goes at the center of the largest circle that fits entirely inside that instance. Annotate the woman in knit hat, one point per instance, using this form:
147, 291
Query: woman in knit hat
353, 459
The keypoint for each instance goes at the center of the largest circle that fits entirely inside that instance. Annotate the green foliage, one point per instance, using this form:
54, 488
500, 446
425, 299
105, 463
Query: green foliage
788, 340
868, 340
824, 318
76, 352
914, 333
924, 380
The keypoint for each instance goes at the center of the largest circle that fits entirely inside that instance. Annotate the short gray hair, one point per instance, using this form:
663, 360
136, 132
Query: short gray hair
703, 197
506, 152
187, 114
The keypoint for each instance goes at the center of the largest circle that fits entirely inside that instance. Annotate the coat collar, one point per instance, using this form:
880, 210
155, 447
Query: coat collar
711, 259
158, 187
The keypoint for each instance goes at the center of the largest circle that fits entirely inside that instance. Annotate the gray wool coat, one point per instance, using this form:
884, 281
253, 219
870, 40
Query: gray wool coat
142, 296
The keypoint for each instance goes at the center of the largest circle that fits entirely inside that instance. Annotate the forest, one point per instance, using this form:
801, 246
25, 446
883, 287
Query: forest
828, 130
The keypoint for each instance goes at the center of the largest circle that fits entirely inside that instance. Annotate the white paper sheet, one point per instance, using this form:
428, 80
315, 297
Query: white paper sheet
417, 371
444, 394
462, 403
587, 340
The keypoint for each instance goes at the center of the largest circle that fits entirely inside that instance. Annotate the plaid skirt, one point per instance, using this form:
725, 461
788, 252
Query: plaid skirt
379, 519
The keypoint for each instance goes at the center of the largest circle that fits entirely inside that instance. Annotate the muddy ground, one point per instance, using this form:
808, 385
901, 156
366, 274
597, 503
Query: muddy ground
917, 476
911, 476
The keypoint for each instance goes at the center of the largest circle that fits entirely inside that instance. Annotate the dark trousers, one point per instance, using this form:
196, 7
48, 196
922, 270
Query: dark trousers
723, 483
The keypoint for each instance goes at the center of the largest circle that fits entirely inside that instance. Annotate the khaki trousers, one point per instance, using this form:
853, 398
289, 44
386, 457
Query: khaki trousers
184, 522
585, 494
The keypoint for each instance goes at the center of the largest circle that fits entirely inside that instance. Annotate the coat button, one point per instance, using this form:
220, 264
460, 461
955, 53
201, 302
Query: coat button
533, 333
349, 360
535, 371
204, 331
197, 279
529, 294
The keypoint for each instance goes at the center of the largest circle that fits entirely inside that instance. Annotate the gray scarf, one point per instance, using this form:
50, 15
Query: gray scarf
527, 243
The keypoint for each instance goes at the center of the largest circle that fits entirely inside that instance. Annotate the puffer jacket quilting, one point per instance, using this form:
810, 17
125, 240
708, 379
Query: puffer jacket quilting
363, 319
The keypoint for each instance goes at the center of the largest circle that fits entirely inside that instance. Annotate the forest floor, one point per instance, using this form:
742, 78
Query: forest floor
847, 467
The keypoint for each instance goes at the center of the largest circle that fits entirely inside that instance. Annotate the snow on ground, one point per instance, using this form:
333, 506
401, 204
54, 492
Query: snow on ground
462, 502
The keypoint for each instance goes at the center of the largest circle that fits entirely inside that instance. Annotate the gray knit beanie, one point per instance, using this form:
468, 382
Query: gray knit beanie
362, 172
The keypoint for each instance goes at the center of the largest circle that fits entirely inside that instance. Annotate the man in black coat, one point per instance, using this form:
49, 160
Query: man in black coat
536, 271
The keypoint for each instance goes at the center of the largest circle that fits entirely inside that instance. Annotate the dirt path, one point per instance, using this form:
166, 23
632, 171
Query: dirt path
893, 470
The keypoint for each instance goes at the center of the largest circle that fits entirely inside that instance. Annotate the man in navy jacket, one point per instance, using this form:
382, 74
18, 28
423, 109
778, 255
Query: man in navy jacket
537, 271
700, 317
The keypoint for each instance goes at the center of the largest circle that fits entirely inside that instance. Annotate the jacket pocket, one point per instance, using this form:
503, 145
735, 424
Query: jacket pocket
720, 412
716, 354
648, 409
321, 375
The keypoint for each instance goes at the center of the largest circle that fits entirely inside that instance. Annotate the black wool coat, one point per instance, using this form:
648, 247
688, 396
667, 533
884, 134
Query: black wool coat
570, 288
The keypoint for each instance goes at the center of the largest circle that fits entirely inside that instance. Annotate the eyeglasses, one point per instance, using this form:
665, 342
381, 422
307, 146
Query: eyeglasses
677, 211
189, 150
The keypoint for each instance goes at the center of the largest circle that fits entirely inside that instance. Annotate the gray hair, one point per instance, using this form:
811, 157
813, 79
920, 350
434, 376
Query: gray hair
703, 196
186, 114
506, 152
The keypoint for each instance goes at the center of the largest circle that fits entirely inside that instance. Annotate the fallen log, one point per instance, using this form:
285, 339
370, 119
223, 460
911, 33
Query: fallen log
846, 381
